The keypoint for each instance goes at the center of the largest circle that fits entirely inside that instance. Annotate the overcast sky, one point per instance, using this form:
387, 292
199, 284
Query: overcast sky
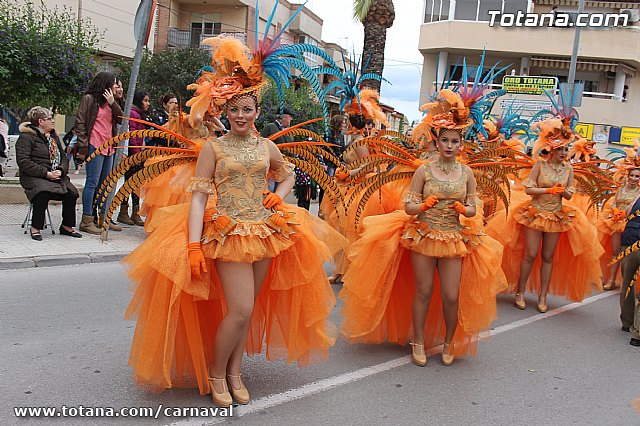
403, 61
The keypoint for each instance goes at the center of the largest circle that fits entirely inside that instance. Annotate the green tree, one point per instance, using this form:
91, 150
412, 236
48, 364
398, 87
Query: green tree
167, 71
46, 57
299, 98
376, 17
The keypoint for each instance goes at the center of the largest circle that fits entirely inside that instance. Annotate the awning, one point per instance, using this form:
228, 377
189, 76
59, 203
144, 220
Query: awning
585, 65
588, 3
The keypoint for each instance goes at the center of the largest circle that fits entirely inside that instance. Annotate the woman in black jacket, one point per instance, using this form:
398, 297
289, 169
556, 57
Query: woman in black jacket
168, 103
44, 172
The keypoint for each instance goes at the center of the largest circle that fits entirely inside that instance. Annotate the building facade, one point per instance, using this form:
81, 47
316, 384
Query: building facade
608, 56
113, 19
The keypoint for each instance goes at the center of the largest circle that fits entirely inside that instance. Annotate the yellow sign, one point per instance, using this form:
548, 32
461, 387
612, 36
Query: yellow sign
629, 135
526, 85
585, 130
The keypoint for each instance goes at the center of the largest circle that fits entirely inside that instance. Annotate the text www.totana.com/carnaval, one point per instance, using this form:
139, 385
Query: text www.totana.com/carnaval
140, 412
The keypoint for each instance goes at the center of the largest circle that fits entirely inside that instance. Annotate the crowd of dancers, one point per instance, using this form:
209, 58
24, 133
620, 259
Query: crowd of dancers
424, 231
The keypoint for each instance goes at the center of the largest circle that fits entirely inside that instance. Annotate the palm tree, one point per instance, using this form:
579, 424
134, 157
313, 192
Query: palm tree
376, 16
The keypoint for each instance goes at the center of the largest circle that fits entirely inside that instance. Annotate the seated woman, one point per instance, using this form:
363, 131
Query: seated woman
44, 172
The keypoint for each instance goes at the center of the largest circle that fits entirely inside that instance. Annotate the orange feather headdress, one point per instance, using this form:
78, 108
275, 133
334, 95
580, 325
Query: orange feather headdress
367, 104
237, 70
448, 111
553, 133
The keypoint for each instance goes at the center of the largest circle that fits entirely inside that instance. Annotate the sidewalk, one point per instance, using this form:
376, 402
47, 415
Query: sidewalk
18, 250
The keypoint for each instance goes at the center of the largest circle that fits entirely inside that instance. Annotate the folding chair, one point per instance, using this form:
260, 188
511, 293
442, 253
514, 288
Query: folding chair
27, 220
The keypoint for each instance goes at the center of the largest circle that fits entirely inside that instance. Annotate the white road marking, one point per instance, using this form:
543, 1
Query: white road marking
343, 379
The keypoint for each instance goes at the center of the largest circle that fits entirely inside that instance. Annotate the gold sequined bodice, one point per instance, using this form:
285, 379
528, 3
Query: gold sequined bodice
549, 176
442, 217
240, 178
626, 195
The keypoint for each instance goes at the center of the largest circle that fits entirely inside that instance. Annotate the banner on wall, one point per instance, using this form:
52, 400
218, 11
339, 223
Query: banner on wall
629, 135
585, 130
529, 85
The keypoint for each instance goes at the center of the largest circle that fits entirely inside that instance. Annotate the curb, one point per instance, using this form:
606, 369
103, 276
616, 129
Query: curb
61, 260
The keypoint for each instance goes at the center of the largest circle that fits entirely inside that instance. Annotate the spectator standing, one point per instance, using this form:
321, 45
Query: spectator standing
140, 111
168, 104
70, 141
4, 141
629, 302
283, 121
96, 122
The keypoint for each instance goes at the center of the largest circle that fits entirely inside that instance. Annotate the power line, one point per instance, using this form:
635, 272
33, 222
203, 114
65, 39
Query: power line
178, 12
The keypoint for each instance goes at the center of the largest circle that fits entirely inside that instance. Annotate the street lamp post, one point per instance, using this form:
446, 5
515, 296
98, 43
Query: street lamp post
574, 56
145, 9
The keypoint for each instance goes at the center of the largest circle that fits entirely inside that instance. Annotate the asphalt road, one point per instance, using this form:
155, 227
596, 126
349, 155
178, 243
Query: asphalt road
63, 342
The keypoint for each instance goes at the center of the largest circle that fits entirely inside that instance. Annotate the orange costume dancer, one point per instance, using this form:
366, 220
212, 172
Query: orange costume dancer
236, 270
359, 105
548, 246
613, 217
388, 289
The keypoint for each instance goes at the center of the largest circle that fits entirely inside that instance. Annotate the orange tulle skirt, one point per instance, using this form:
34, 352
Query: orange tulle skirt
382, 201
607, 226
576, 264
378, 288
177, 315
168, 189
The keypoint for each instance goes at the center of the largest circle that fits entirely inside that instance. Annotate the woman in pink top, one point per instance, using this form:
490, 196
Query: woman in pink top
139, 110
96, 121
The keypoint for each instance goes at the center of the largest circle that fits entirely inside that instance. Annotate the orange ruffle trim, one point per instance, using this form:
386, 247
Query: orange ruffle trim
177, 316
418, 237
379, 288
576, 263
608, 225
559, 221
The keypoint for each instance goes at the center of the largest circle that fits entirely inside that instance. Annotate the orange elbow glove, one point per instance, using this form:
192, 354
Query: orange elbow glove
271, 199
196, 260
619, 214
459, 207
556, 189
431, 201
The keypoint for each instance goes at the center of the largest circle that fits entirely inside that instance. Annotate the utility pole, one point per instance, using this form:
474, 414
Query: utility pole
574, 56
143, 16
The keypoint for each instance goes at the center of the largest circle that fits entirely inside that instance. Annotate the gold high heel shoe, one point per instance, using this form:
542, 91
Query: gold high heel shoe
418, 356
221, 399
241, 395
542, 305
609, 286
519, 302
447, 358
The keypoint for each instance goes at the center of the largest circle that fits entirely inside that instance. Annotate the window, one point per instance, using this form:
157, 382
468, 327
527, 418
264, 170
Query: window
310, 58
470, 10
436, 10
203, 26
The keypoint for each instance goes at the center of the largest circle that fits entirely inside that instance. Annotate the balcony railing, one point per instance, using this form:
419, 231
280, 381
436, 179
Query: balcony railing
188, 38
497, 86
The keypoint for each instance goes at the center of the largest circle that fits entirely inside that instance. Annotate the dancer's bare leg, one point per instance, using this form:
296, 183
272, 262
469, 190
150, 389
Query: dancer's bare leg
238, 285
260, 270
423, 271
450, 271
532, 246
549, 244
